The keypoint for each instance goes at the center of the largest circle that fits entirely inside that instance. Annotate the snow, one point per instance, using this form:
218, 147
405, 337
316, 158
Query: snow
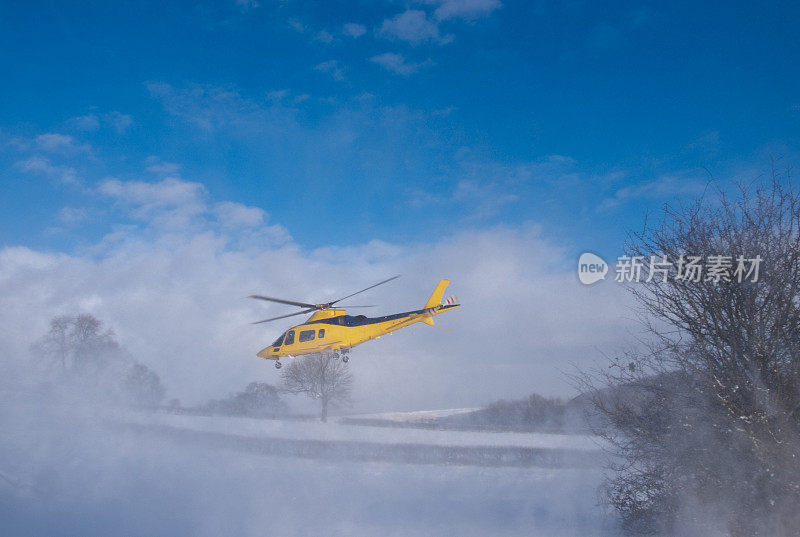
332, 431
418, 415
84, 474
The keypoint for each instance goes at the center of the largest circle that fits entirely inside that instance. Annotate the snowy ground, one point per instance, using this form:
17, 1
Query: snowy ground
85, 474
417, 416
334, 431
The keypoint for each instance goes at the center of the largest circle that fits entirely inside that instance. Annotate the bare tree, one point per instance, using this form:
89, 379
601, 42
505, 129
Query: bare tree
92, 347
258, 399
143, 387
705, 416
319, 376
56, 343
78, 342
92, 361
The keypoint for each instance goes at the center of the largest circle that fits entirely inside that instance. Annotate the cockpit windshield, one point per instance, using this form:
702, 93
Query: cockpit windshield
279, 341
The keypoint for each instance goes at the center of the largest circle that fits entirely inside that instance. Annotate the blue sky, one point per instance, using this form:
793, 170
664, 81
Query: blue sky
349, 121
161, 161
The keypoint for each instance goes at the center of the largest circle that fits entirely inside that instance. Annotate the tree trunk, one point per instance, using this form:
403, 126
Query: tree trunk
324, 413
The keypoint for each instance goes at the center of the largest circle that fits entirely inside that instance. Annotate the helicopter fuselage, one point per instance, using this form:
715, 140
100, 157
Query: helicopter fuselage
334, 330
331, 329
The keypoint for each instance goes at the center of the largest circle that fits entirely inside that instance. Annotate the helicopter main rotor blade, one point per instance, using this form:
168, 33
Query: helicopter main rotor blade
281, 301
348, 307
284, 316
366, 289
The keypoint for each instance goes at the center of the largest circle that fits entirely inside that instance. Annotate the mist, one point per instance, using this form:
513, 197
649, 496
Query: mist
176, 301
77, 463
82, 461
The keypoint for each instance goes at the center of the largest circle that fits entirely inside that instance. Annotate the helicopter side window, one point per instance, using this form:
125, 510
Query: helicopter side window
289, 337
306, 335
279, 341
321, 333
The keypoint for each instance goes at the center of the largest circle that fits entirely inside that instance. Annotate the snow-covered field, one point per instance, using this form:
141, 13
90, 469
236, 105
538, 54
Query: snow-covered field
82, 474
333, 431
418, 415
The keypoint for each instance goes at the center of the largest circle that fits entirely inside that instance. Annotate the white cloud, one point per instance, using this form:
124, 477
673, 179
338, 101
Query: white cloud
89, 122
247, 5
234, 215
350, 149
296, 25
397, 63
324, 36
169, 192
444, 112
482, 197
417, 26
158, 167
353, 29
667, 186
207, 108
55, 142
171, 204
465, 9
118, 121
277, 95
331, 67
42, 166
708, 142
484, 188
173, 208
413, 26
485, 199
73, 215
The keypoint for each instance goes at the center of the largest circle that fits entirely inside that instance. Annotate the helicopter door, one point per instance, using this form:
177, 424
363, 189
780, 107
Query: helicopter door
289, 338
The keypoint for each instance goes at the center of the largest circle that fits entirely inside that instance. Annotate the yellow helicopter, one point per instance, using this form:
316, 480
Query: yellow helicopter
331, 330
